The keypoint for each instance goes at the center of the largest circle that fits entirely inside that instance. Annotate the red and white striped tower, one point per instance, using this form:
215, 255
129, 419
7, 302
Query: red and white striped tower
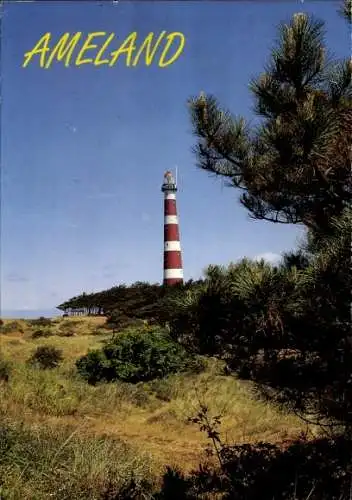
173, 271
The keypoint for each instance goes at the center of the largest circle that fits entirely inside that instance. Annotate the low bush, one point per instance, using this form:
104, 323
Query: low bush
316, 470
5, 369
196, 364
161, 389
46, 356
40, 321
135, 356
41, 332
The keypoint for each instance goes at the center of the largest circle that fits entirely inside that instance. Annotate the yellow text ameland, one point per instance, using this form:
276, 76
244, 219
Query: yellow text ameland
77, 49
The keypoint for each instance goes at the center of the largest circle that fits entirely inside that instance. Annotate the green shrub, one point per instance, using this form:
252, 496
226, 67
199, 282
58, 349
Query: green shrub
94, 366
46, 356
5, 369
196, 364
161, 388
40, 321
134, 356
41, 332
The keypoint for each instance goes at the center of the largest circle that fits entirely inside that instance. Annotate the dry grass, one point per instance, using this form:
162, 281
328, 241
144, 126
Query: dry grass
151, 418
75, 326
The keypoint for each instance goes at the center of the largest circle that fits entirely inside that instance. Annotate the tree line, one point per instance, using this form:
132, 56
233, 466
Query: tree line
140, 300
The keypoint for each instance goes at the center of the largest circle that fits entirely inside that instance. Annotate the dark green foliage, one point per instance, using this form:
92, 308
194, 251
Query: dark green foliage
124, 300
299, 260
132, 490
46, 356
95, 367
286, 328
195, 364
40, 322
161, 389
346, 10
135, 356
5, 370
118, 321
41, 332
175, 486
129, 306
294, 167
318, 470
226, 311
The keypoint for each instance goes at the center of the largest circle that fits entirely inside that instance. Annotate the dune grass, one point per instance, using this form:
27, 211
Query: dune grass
114, 429
61, 463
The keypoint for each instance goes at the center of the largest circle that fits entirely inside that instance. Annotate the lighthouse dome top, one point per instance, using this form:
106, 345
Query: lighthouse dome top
169, 183
169, 177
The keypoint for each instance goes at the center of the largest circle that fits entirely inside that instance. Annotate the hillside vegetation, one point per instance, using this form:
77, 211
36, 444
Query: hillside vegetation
113, 431
237, 386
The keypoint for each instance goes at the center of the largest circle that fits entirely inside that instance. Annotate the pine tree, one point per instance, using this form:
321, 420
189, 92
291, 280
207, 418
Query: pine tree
295, 167
286, 327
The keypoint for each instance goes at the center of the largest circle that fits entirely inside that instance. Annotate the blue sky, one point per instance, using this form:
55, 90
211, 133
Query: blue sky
84, 148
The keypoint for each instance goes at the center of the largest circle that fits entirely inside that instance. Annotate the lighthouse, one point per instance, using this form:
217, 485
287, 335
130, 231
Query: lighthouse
173, 271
